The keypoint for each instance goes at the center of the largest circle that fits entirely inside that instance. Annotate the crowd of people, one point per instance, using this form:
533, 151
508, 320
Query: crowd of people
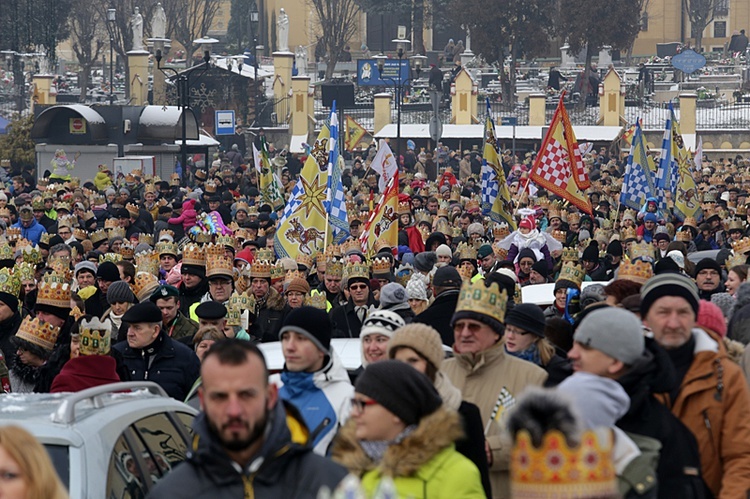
464, 386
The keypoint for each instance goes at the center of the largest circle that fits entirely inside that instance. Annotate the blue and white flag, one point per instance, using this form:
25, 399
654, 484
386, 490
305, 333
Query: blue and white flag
335, 202
638, 184
667, 167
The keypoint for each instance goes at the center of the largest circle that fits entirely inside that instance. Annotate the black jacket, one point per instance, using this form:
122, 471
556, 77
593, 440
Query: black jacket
346, 323
558, 368
8, 330
166, 362
190, 296
679, 466
439, 314
287, 466
472, 446
96, 304
270, 316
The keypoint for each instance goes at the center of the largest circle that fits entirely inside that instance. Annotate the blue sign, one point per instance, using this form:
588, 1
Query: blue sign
688, 61
509, 121
369, 75
225, 124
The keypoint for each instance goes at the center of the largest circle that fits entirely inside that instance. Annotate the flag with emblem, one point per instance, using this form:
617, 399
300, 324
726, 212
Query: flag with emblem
335, 203
559, 165
495, 192
628, 135
383, 220
638, 184
667, 165
684, 190
270, 187
354, 133
302, 228
384, 164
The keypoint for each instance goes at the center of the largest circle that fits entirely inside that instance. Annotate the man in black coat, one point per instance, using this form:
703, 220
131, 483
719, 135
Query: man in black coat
347, 319
445, 285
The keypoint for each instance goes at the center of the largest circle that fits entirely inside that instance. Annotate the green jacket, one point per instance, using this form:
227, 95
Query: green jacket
425, 465
181, 327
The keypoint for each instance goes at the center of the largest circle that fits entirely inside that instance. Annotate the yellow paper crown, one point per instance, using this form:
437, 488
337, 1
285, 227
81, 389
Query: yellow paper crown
569, 255
683, 235
110, 257
734, 224
638, 271
127, 250
111, 223
350, 245
76, 313
193, 254
443, 209
242, 301
558, 470
357, 270
278, 272
735, 260
742, 246
381, 266
13, 234
304, 259
144, 284
99, 235
559, 235
227, 240
147, 261
572, 272
202, 237
25, 271
166, 232
260, 269
46, 236
54, 290
574, 218
478, 298
10, 282
219, 265
265, 254
500, 231
117, 232
133, 210
317, 300
95, 337
32, 255
466, 252
80, 234
37, 332
146, 239
422, 216
642, 250
335, 268
167, 248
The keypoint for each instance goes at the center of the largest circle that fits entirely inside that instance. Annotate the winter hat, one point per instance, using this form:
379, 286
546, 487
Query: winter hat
475, 228
484, 250
669, 284
711, 317
383, 322
447, 277
444, 250
661, 236
591, 253
528, 317
299, 285
599, 401
541, 268
527, 223
593, 293
108, 271
141, 247
725, 302
583, 234
615, 248
416, 290
613, 331
666, 265
707, 264
120, 292
421, 338
400, 388
311, 322
678, 258
527, 253
85, 265
392, 294
425, 260
650, 217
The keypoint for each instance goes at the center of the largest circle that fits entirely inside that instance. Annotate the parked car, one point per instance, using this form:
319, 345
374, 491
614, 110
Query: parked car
111, 441
544, 294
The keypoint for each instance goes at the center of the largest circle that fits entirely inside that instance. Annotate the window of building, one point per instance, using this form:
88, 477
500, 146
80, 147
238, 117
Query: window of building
720, 29
721, 7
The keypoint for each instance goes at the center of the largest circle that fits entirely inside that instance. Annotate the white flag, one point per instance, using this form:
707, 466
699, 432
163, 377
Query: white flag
257, 159
698, 158
384, 164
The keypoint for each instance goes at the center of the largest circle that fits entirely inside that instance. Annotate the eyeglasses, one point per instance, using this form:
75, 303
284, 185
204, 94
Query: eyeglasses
219, 283
358, 287
360, 405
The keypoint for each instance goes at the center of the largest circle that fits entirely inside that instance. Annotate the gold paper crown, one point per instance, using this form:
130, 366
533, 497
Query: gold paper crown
357, 270
735, 260
144, 285
61, 266
5, 212
54, 291
500, 231
99, 235
242, 301
472, 205
233, 317
95, 337
133, 210
404, 207
265, 254
628, 233
742, 246
466, 272
25, 271
13, 233
111, 223
442, 226
569, 255
335, 268
572, 272
211, 186
166, 232
382, 243
260, 269
641, 250
89, 215
201, 237
478, 298
422, 216
734, 224
303, 259
350, 245
37, 203
117, 232
146, 239
61, 206
193, 254
683, 235
167, 248
219, 265
110, 257
227, 240
241, 206
638, 271
6, 252
574, 218
127, 250
559, 235
80, 234
149, 188
10, 282
147, 261
381, 266
558, 470
554, 210
292, 274
37, 332
443, 209
466, 252
317, 300
500, 253
32, 255
46, 236
76, 313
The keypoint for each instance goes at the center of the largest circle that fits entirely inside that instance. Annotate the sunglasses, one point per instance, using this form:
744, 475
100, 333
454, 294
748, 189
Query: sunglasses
357, 287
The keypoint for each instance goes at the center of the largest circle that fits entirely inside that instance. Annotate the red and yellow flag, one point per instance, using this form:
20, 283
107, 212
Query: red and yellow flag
559, 166
354, 133
383, 221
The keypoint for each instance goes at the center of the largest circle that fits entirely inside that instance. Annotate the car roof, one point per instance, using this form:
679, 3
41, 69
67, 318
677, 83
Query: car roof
347, 349
544, 294
697, 256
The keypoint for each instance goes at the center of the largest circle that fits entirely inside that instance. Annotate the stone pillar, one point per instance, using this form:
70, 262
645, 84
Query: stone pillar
160, 88
382, 112
282, 82
43, 91
610, 104
688, 104
138, 70
537, 110
464, 99
299, 107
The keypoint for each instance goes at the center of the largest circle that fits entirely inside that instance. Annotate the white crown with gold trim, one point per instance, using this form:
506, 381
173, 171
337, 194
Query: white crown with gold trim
95, 337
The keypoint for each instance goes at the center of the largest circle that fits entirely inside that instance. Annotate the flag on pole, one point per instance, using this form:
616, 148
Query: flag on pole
667, 164
559, 165
270, 187
335, 202
629, 134
698, 158
495, 193
384, 164
303, 227
383, 220
354, 133
684, 190
638, 183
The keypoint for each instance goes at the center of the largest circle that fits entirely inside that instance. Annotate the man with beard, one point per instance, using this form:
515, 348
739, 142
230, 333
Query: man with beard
249, 443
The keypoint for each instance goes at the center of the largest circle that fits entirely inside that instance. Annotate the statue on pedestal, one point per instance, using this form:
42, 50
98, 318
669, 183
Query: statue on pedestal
282, 30
301, 56
159, 22
136, 23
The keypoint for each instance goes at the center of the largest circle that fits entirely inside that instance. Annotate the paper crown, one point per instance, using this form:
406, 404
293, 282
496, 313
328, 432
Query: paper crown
80, 234
292, 274
147, 261
219, 265
569, 255
500, 253
260, 269
642, 250
243, 301
638, 271
13, 234
146, 239
167, 248
472, 205
117, 232
99, 236
478, 298
226, 241
32, 255
382, 243
350, 245
500, 231
572, 272
628, 233
46, 236
133, 210
95, 337
357, 270
466, 252
422, 216
555, 469
10, 282
574, 218
735, 260
54, 291
6, 252
304, 259
110, 257
404, 207
683, 235
443, 209
466, 272
278, 272
76, 313
164, 233
559, 235
381, 266
317, 300
25, 271
201, 237
39, 333
144, 285
734, 224
193, 254
127, 250
334, 268
149, 188
111, 223
742, 246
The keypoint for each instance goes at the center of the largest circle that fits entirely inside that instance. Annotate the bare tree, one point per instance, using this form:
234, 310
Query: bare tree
700, 13
337, 21
87, 34
188, 20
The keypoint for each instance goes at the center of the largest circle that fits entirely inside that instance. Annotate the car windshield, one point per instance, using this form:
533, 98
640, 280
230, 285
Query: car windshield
61, 461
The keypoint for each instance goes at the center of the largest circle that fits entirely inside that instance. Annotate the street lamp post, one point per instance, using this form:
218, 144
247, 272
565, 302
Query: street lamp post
253, 30
183, 96
111, 17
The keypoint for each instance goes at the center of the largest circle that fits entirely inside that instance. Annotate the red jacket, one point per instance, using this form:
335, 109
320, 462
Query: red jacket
86, 371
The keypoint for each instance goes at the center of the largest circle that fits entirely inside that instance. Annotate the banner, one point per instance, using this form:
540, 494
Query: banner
383, 221
354, 133
495, 193
638, 184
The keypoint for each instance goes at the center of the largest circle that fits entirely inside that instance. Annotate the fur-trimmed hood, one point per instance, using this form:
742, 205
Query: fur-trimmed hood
433, 434
275, 300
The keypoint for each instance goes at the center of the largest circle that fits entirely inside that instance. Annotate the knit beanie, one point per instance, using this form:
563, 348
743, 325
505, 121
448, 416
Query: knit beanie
711, 317
383, 322
593, 293
108, 271
401, 389
613, 331
311, 322
444, 250
725, 302
615, 248
416, 290
527, 317
120, 292
392, 294
86, 265
591, 253
10, 300
425, 261
141, 247
299, 285
421, 338
541, 268
666, 264
669, 284
707, 264
527, 253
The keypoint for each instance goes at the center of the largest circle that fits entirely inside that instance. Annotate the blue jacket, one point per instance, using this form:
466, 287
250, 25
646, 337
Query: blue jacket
33, 233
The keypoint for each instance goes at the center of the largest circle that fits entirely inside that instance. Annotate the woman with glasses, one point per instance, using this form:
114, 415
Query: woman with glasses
399, 428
